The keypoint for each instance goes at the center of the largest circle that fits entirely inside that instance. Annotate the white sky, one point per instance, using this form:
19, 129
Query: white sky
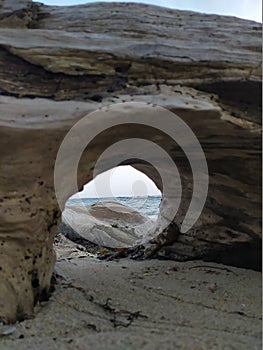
125, 180
248, 9
121, 181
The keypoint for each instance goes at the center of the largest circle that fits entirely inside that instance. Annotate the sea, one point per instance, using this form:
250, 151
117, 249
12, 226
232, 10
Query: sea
148, 206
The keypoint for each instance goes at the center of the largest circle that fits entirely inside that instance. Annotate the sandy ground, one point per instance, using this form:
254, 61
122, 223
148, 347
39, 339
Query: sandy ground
152, 304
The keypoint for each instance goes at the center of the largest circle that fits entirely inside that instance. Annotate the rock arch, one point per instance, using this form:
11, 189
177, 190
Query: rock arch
53, 80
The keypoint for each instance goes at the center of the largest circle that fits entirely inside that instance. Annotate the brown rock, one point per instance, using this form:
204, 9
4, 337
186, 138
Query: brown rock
57, 64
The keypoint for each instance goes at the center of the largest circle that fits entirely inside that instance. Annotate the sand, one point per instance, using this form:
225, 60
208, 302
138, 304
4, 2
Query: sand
150, 304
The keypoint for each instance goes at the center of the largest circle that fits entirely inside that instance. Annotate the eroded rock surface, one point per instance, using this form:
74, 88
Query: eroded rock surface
57, 64
194, 305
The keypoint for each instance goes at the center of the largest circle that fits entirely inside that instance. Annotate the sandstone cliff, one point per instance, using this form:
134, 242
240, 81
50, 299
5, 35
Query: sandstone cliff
57, 64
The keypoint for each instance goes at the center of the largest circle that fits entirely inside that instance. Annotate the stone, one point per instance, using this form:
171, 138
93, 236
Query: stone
58, 64
107, 224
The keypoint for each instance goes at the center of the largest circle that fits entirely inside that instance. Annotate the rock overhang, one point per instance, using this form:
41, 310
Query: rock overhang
49, 81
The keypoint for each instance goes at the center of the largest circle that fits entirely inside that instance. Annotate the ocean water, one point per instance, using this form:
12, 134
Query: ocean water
148, 206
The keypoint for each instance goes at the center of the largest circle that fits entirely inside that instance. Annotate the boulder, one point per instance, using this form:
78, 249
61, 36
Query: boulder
107, 224
59, 64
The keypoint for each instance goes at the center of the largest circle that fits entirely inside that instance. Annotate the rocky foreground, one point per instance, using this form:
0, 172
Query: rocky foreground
147, 305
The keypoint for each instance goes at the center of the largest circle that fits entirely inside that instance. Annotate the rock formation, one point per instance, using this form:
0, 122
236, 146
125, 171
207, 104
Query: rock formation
107, 224
57, 64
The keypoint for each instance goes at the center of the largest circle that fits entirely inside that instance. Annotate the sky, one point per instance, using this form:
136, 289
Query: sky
248, 9
122, 181
125, 180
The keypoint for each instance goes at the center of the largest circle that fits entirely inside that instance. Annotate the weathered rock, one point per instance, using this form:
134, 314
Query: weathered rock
57, 64
193, 305
107, 224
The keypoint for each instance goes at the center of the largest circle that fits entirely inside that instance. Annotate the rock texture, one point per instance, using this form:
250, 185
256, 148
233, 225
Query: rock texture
144, 305
59, 63
107, 224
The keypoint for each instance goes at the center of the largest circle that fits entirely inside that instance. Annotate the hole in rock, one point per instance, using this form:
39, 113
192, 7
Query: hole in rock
117, 209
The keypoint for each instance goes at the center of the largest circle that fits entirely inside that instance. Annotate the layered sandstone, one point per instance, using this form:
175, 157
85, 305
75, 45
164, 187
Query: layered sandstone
60, 63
